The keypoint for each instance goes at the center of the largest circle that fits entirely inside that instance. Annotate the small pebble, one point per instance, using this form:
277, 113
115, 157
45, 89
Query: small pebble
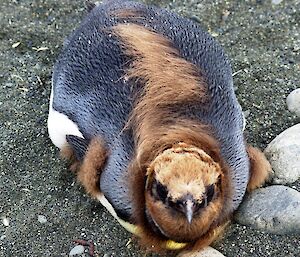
246, 113
276, 1
195, 18
293, 102
274, 209
5, 221
42, 219
225, 15
206, 252
78, 249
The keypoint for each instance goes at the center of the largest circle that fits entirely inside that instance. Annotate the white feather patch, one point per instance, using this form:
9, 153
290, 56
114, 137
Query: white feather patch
59, 125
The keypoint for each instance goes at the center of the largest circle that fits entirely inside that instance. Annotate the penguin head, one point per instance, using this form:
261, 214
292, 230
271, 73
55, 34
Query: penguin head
183, 193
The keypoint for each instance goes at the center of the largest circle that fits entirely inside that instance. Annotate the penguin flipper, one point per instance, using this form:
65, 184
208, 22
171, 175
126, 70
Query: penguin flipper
79, 146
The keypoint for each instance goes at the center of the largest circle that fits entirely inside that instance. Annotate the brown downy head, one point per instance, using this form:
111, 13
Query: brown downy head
183, 193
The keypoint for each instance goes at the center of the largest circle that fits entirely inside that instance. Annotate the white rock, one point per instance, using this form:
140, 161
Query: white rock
5, 221
206, 252
42, 219
284, 155
78, 249
293, 102
274, 209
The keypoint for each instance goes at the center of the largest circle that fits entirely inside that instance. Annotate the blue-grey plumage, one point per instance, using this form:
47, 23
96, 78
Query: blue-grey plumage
90, 89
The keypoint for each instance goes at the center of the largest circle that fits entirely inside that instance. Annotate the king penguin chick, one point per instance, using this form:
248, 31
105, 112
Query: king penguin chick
142, 103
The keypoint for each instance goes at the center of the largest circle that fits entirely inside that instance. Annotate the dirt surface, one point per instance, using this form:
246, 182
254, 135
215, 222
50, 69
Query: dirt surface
263, 42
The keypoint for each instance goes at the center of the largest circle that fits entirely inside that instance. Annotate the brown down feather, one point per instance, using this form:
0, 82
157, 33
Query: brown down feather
89, 170
260, 168
168, 81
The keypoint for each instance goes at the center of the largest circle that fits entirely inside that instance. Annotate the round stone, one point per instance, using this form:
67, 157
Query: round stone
206, 252
283, 154
77, 250
293, 102
274, 209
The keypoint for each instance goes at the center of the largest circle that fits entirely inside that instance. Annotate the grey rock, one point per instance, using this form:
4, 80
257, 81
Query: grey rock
246, 113
78, 249
276, 1
274, 209
293, 102
206, 252
284, 155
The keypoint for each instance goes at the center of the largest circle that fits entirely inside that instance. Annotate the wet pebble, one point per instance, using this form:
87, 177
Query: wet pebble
293, 102
274, 209
206, 252
284, 155
78, 249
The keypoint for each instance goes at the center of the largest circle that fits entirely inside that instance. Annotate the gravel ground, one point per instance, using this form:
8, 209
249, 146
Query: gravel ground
263, 42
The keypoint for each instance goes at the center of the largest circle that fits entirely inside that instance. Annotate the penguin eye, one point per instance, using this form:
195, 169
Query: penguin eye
177, 205
200, 205
159, 191
210, 191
